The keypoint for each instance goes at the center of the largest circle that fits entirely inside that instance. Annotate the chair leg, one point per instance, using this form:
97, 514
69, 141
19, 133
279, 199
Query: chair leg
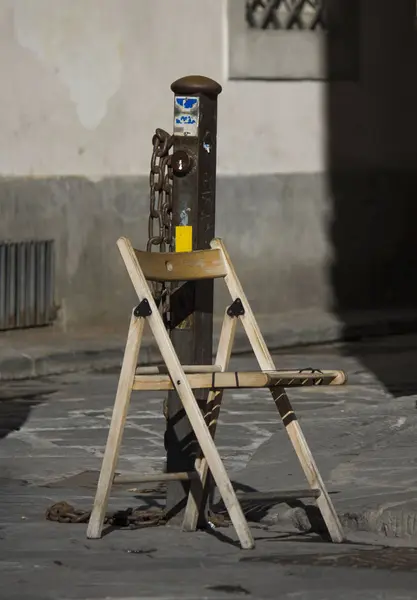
281, 400
200, 488
307, 463
217, 468
187, 397
114, 440
202, 433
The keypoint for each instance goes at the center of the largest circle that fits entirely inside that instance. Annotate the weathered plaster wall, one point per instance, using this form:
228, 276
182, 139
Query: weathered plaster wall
86, 82
89, 80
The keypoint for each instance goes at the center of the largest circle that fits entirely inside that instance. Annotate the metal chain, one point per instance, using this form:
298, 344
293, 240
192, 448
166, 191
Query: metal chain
63, 512
160, 209
160, 181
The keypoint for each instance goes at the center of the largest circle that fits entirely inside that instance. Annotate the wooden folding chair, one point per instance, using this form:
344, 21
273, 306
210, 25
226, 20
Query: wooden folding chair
205, 264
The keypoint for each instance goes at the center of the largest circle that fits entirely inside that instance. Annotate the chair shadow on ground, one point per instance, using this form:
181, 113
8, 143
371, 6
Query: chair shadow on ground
255, 512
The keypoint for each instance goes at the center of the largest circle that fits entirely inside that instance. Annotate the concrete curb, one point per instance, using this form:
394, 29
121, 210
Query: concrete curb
280, 332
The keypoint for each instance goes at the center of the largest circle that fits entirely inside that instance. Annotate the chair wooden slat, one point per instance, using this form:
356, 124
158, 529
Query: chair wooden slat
242, 379
132, 478
163, 370
181, 266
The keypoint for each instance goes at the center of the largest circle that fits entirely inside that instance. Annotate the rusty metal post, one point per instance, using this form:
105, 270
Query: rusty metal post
193, 212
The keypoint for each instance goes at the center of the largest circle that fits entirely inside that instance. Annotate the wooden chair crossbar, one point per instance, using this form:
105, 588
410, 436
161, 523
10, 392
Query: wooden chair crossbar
240, 379
205, 264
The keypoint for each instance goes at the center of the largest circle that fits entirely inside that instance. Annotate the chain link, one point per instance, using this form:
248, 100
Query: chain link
160, 182
160, 209
62, 512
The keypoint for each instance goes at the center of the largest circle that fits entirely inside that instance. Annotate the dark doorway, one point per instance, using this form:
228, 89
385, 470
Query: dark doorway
372, 161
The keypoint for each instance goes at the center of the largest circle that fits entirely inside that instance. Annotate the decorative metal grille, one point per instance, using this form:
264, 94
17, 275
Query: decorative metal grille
286, 14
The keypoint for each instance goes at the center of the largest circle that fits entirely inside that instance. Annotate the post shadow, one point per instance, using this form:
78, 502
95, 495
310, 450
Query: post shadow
372, 183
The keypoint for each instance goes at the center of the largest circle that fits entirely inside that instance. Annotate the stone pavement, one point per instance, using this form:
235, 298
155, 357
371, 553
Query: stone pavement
362, 435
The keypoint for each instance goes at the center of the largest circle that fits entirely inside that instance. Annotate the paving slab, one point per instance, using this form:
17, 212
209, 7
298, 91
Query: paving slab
52, 436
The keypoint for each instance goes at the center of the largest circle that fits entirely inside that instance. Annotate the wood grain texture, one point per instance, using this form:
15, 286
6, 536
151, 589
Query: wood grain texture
198, 491
281, 400
241, 380
115, 436
187, 397
181, 266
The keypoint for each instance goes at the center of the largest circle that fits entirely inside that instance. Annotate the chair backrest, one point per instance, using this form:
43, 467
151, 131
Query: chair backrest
181, 266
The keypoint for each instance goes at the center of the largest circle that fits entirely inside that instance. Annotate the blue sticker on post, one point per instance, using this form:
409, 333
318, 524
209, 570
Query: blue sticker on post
186, 115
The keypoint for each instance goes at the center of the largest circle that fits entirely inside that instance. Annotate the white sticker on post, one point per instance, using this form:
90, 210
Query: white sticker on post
186, 115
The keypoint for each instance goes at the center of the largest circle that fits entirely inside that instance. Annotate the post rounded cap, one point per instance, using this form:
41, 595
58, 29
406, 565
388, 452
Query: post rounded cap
196, 84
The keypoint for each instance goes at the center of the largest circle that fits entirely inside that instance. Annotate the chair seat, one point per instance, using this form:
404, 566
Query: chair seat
150, 378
